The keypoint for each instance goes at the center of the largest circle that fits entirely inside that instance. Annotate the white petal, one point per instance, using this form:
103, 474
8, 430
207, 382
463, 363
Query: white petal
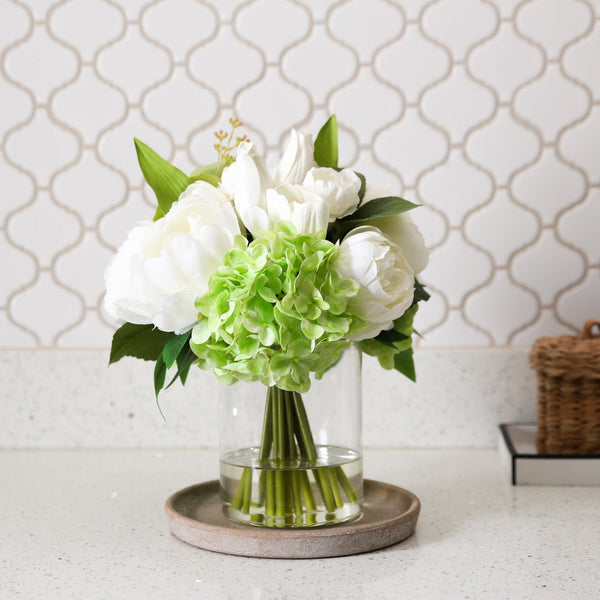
386, 279
278, 207
178, 313
376, 191
310, 217
297, 159
163, 266
338, 189
401, 230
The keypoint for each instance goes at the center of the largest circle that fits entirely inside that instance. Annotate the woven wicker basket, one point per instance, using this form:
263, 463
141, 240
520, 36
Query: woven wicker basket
568, 370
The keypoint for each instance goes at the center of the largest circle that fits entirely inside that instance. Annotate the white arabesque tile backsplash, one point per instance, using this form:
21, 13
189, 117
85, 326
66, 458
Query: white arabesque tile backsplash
485, 112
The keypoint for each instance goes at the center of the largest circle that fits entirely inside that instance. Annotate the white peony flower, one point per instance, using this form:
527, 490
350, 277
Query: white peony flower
297, 159
338, 189
400, 229
164, 266
385, 277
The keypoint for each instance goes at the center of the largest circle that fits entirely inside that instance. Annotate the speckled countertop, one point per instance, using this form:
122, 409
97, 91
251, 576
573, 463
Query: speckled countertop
90, 525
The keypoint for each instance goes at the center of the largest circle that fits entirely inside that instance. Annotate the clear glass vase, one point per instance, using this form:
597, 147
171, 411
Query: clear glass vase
291, 460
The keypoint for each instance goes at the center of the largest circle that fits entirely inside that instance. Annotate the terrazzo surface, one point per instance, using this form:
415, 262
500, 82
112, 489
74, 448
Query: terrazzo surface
90, 524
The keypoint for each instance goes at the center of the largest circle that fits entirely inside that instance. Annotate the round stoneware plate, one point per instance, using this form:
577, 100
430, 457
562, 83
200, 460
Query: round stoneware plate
389, 516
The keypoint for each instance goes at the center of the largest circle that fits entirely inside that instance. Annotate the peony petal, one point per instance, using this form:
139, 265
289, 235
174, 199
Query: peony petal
401, 230
178, 313
385, 277
164, 266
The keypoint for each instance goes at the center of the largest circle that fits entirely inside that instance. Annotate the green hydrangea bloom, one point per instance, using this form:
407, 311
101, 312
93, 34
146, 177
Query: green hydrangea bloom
276, 311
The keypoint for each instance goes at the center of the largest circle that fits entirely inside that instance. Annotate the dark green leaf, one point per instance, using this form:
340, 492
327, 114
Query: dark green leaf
185, 360
326, 144
380, 207
336, 232
160, 372
166, 180
390, 337
140, 341
173, 347
363, 186
421, 294
185, 369
404, 363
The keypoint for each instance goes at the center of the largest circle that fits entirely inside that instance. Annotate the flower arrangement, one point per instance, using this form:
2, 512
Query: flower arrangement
269, 276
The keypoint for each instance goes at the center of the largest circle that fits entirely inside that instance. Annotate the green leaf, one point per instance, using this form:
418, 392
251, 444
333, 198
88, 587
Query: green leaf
404, 324
173, 347
184, 366
206, 173
382, 352
420, 293
159, 214
185, 360
212, 169
390, 337
326, 144
363, 186
404, 363
166, 180
380, 207
160, 372
139, 341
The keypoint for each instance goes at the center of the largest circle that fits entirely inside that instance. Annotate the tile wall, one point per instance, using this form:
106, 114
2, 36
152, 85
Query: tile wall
486, 112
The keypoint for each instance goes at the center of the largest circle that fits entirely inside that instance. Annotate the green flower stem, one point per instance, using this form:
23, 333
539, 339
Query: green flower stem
311, 453
261, 487
292, 455
279, 433
325, 489
297, 492
238, 497
247, 491
307, 495
278, 450
286, 452
335, 487
276, 454
266, 444
305, 434
292, 452
279, 493
267, 432
346, 485
270, 493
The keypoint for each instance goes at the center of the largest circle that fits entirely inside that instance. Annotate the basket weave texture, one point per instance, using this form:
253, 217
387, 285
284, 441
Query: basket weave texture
568, 373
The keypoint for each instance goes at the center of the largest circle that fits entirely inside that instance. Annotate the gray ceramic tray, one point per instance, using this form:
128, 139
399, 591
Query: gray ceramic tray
389, 516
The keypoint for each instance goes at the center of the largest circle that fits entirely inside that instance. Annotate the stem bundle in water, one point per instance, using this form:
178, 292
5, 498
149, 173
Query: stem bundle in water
294, 482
